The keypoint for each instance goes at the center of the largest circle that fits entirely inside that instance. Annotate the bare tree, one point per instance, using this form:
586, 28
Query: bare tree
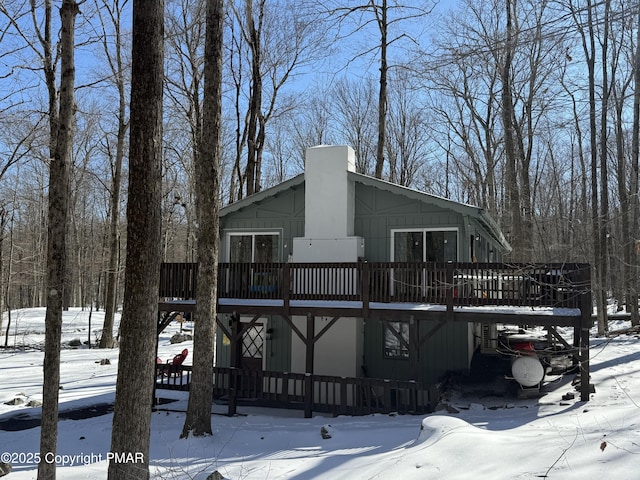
309, 126
633, 254
407, 141
4, 220
508, 116
132, 415
498, 86
80, 241
464, 96
255, 118
353, 105
198, 419
278, 39
56, 245
112, 46
604, 227
184, 84
385, 16
587, 31
621, 74
578, 152
18, 144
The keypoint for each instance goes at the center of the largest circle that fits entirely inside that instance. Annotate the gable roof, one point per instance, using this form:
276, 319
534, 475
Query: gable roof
262, 195
480, 214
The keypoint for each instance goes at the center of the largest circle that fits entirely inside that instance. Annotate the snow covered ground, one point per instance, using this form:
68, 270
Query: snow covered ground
490, 437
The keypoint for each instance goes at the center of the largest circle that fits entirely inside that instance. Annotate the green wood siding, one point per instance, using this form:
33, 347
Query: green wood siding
378, 212
446, 351
283, 213
277, 350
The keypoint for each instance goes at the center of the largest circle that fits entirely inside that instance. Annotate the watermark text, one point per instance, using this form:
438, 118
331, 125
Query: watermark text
66, 460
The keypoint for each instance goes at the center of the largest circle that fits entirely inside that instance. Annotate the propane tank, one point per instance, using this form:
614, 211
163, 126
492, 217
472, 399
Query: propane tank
526, 368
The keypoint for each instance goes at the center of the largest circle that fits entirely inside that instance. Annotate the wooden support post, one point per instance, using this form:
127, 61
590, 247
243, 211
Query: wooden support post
585, 377
236, 351
365, 287
308, 390
586, 308
286, 288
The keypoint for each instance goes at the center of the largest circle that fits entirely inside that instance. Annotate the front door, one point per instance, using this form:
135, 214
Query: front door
253, 347
251, 360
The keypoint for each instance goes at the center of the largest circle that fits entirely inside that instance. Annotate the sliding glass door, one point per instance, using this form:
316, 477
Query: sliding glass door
245, 250
411, 282
424, 245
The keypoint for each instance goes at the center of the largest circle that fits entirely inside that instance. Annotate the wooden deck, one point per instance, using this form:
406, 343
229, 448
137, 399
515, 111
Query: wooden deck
548, 295
319, 393
375, 289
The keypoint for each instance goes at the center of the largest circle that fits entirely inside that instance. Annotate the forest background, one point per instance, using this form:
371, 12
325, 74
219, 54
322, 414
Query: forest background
529, 109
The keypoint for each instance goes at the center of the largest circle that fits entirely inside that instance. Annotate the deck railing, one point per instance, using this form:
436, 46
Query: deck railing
459, 284
319, 393
449, 284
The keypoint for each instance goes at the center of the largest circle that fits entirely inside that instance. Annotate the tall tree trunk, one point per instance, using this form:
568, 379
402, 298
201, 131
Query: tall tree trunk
134, 388
381, 16
255, 100
56, 244
589, 49
634, 241
198, 419
106, 339
6, 289
511, 178
604, 172
623, 194
3, 225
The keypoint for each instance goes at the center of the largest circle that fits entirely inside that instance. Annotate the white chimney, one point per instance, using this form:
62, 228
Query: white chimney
329, 207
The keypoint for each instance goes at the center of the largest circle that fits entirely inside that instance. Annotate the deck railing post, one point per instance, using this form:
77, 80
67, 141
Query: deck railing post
365, 282
449, 290
386, 396
343, 397
286, 287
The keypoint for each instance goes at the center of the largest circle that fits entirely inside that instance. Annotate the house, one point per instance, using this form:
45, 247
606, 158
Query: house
350, 294
332, 214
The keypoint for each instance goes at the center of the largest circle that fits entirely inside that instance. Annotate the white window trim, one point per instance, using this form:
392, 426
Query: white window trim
424, 245
252, 233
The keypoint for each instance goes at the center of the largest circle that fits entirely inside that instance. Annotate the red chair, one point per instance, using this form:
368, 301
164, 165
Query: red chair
179, 358
175, 363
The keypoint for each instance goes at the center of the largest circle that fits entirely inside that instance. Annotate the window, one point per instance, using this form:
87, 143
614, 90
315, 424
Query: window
396, 339
425, 245
253, 247
408, 246
441, 246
